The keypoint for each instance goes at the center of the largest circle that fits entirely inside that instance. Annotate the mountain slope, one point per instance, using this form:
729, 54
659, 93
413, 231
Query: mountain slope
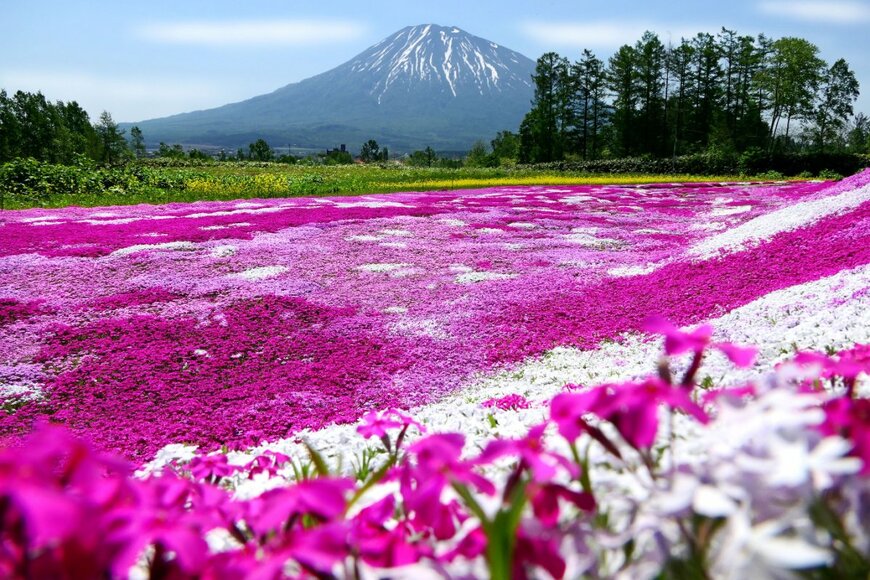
423, 85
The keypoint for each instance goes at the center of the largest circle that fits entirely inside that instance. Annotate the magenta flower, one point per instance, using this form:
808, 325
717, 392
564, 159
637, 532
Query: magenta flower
376, 424
631, 407
211, 468
696, 341
847, 364
438, 458
532, 454
158, 517
380, 544
545, 501
508, 402
677, 341
537, 549
850, 418
322, 547
323, 498
438, 464
471, 546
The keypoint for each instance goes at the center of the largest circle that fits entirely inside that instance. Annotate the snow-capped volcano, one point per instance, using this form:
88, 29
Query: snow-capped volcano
424, 85
437, 55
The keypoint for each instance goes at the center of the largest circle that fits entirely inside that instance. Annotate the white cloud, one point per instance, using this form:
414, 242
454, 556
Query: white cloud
834, 12
253, 32
126, 98
607, 33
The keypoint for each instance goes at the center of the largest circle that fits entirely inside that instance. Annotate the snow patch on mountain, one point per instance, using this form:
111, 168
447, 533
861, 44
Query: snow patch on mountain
438, 56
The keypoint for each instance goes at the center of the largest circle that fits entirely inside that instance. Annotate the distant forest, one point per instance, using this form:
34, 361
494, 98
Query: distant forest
723, 93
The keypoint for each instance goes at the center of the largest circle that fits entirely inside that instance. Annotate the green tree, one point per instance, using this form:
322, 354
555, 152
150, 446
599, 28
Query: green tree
650, 63
545, 129
260, 150
589, 106
505, 147
478, 156
37, 125
789, 80
10, 128
197, 155
707, 89
81, 136
423, 158
370, 151
858, 137
338, 157
137, 142
175, 151
622, 81
113, 145
837, 93
679, 63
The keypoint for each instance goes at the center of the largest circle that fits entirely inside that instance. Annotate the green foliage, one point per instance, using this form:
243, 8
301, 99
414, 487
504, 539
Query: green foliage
31, 126
112, 144
828, 174
175, 151
724, 94
543, 132
371, 152
756, 161
137, 142
837, 93
505, 148
338, 157
789, 81
198, 155
425, 158
259, 150
478, 156
30, 183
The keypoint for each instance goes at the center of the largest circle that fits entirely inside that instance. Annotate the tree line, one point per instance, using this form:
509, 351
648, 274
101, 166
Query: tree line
32, 126
724, 93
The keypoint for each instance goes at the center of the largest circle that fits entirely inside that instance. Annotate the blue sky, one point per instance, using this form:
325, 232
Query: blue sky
141, 60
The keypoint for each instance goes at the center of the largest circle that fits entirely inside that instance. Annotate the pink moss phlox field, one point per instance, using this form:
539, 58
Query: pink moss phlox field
231, 322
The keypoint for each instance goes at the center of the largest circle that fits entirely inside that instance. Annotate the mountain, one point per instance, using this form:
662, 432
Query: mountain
425, 85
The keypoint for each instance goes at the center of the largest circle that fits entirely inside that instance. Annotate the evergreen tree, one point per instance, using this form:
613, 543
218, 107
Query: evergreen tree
589, 108
113, 146
544, 131
649, 66
707, 89
622, 81
679, 65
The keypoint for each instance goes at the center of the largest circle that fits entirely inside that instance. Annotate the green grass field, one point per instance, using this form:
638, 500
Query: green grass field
42, 185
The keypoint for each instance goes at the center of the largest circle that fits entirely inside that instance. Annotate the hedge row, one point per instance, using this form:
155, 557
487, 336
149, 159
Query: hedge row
32, 180
752, 162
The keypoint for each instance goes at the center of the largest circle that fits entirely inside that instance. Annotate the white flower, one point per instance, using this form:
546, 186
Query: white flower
759, 551
713, 502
